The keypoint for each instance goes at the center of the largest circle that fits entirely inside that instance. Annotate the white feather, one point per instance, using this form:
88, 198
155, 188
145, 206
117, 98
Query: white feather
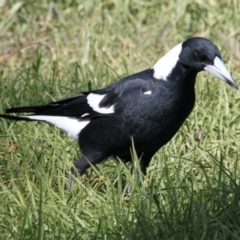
94, 100
85, 114
148, 92
164, 66
71, 126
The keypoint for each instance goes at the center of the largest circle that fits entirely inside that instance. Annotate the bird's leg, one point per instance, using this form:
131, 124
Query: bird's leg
144, 162
85, 161
81, 166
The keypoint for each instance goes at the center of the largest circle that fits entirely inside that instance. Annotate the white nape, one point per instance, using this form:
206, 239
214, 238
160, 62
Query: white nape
94, 100
164, 66
71, 126
148, 93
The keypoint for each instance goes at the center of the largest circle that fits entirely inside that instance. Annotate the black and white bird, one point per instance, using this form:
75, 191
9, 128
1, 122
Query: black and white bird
148, 107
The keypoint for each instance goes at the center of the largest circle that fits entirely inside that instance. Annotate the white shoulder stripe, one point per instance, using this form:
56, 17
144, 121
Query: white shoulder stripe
94, 100
148, 92
164, 66
84, 115
71, 126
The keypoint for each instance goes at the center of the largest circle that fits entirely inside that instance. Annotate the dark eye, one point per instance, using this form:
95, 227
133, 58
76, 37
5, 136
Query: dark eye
200, 57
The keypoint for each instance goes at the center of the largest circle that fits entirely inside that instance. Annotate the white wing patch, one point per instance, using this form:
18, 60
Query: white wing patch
148, 93
71, 126
164, 66
84, 115
94, 100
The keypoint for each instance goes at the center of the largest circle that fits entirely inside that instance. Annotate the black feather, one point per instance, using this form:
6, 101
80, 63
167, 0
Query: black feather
16, 118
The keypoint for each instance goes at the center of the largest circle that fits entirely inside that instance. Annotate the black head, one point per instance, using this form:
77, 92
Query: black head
201, 54
198, 52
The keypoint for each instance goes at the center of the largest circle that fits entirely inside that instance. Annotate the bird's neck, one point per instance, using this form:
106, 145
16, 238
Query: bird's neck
183, 75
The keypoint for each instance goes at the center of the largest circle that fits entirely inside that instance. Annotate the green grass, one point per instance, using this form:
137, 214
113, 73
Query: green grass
50, 49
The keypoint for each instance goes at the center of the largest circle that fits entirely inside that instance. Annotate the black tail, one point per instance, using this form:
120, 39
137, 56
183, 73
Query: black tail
21, 118
41, 109
70, 106
29, 109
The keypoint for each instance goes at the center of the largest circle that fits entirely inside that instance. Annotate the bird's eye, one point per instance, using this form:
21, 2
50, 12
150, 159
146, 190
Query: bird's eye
200, 57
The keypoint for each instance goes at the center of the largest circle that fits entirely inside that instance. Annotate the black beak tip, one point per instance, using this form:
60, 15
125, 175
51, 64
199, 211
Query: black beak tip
233, 84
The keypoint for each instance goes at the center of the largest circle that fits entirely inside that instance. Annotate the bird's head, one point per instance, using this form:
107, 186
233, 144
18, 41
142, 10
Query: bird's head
195, 54
201, 54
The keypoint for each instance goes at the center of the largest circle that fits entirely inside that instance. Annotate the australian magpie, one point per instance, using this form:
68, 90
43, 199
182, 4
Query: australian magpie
148, 107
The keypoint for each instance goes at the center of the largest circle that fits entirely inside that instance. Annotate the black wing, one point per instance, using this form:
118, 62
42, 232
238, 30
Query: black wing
89, 105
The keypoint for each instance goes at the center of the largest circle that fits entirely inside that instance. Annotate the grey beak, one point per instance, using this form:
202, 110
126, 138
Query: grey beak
218, 69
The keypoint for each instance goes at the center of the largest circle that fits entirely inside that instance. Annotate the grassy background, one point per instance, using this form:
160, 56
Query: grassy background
50, 49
